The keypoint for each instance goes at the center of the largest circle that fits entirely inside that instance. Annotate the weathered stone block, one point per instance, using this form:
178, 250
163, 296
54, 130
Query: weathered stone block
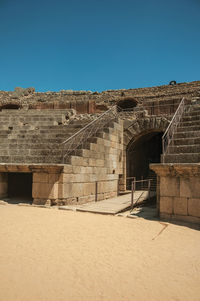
180, 206
169, 186
70, 190
88, 188
40, 177
80, 161
166, 205
45, 190
194, 207
190, 187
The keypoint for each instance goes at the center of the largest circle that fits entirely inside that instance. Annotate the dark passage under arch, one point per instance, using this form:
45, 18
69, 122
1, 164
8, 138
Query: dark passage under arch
141, 152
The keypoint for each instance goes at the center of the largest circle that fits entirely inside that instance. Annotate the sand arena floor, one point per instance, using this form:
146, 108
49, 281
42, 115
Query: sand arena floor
53, 255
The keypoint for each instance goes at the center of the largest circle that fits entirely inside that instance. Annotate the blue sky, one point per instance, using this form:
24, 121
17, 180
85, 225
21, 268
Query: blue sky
98, 44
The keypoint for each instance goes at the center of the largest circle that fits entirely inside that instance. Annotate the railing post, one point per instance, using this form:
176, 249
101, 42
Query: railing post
118, 186
149, 188
134, 179
132, 194
96, 191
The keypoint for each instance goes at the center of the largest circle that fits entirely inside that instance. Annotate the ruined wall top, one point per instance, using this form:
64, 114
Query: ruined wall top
99, 101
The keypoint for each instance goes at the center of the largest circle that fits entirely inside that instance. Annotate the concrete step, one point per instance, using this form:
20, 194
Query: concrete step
184, 149
182, 158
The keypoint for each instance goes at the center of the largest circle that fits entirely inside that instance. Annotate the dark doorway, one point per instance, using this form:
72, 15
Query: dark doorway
140, 153
20, 187
127, 103
10, 107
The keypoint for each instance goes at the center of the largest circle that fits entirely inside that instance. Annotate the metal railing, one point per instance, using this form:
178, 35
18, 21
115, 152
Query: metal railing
71, 144
145, 186
167, 138
96, 183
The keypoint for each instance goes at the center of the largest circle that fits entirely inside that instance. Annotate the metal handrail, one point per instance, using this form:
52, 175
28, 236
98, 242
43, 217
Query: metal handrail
79, 138
133, 189
167, 137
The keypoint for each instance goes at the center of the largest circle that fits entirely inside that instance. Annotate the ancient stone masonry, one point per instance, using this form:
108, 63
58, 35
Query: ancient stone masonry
90, 102
35, 125
179, 191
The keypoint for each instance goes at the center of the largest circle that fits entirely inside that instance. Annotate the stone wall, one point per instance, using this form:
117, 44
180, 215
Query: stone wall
100, 163
76, 183
90, 102
178, 191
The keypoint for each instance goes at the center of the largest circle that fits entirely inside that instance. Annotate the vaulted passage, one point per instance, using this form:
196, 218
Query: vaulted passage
141, 152
20, 186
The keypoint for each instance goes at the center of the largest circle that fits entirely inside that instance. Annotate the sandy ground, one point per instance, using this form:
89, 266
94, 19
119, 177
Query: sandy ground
52, 255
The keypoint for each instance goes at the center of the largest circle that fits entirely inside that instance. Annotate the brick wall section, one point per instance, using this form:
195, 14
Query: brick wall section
178, 195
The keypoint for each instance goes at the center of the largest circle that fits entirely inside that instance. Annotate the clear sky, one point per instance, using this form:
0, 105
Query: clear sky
98, 44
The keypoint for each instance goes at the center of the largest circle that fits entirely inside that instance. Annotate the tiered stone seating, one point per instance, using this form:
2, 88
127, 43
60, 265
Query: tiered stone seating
186, 143
35, 136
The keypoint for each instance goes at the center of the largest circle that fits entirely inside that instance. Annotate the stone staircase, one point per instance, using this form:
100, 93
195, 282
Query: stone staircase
36, 136
185, 146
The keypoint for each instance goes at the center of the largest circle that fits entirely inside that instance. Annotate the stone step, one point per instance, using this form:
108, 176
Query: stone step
189, 123
37, 135
188, 128
33, 159
31, 152
195, 107
24, 145
32, 117
182, 158
190, 118
34, 123
29, 139
187, 134
184, 149
187, 141
193, 113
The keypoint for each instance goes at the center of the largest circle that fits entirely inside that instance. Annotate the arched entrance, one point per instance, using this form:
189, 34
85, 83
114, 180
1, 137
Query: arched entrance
142, 151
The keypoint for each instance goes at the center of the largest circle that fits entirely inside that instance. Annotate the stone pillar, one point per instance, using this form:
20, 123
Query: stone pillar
3, 184
178, 192
45, 187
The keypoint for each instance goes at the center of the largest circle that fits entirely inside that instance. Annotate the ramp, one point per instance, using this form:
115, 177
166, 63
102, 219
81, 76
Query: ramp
110, 206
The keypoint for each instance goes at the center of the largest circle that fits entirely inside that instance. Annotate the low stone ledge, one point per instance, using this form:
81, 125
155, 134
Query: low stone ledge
177, 169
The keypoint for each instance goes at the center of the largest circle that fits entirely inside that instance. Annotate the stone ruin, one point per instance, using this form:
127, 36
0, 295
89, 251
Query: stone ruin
58, 147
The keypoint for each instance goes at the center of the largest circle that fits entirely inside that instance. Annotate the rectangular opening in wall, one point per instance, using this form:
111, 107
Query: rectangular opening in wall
20, 187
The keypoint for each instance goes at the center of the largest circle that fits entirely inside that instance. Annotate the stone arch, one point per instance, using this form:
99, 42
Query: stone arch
142, 126
127, 103
143, 145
